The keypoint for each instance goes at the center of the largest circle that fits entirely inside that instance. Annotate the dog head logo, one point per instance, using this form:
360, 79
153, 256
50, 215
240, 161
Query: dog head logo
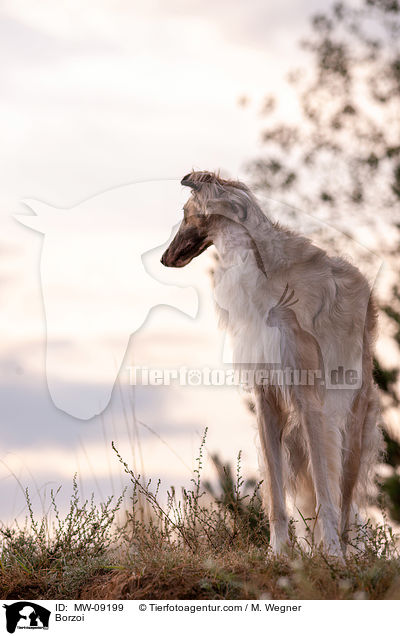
26, 615
96, 289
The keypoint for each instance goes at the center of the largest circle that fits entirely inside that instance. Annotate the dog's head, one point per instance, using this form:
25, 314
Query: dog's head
214, 202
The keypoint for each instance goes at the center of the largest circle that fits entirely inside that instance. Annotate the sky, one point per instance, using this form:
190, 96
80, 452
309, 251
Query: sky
95, 98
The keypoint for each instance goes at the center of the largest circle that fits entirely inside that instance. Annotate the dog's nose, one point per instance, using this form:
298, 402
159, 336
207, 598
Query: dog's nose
162, 259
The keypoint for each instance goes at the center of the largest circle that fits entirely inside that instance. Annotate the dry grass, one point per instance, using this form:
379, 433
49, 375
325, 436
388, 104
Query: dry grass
236, 574
171, 573
197, 546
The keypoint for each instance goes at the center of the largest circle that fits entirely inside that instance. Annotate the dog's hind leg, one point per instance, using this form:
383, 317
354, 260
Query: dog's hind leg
352, 455
327, 511
363, 442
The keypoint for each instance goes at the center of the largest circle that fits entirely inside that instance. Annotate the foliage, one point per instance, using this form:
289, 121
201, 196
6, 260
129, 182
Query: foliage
62, 551
343, 154
233, 519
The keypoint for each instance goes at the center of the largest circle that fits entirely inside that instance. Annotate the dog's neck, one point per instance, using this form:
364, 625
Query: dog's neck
265, 241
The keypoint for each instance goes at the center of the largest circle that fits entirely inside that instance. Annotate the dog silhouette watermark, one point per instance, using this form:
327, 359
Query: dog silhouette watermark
26, 615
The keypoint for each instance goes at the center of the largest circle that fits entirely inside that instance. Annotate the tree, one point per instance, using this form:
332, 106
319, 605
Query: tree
339, 157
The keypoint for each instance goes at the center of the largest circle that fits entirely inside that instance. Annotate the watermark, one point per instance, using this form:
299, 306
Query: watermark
107, 262
101, 276
26, 615
242, 377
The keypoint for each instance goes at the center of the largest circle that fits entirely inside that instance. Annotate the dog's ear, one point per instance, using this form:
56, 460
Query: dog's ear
231, 209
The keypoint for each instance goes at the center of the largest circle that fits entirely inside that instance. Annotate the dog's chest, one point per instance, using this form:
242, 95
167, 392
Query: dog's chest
242, 296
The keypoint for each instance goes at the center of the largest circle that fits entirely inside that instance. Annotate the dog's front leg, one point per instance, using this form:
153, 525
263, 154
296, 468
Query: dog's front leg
271, 418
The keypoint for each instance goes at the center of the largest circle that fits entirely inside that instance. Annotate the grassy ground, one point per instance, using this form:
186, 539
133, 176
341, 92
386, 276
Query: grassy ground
200, 545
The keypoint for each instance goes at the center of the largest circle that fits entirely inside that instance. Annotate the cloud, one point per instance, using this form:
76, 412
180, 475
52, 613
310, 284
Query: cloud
27, 45
256, 24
